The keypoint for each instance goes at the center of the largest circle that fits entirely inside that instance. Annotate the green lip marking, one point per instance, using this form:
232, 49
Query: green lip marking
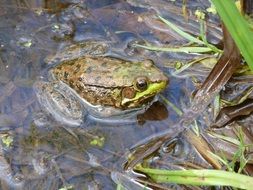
152, 89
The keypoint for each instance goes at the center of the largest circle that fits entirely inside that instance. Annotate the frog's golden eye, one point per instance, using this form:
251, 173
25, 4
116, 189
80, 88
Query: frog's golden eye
141, 83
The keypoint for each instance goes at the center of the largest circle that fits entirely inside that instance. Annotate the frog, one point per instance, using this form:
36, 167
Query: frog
102, 86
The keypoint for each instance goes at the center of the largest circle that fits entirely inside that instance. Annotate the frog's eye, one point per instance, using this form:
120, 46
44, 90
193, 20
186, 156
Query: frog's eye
141, 83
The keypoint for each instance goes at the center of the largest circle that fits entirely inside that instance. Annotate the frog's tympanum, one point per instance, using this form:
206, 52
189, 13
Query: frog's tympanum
102, 86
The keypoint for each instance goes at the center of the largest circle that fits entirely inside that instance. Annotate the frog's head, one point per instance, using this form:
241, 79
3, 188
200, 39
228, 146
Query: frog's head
144, 87
142, 91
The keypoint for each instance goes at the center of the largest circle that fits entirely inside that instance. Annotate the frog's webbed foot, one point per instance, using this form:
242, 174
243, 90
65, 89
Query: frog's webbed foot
57, 99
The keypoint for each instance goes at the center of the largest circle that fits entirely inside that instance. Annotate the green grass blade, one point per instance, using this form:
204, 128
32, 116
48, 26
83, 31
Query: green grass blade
181, 32
203, 37
199, 177
238, 28
176, 49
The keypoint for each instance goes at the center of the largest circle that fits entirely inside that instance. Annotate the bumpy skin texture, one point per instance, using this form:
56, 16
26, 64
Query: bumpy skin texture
100, 80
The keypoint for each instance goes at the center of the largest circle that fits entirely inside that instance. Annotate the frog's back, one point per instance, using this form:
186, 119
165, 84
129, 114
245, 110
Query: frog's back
107, 72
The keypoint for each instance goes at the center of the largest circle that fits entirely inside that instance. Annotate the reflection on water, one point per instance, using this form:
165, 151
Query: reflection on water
45, 154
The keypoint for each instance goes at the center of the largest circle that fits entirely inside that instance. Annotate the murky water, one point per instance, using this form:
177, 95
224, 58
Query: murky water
45, 154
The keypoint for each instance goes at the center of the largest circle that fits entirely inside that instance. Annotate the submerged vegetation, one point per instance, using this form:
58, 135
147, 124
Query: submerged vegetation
241, 33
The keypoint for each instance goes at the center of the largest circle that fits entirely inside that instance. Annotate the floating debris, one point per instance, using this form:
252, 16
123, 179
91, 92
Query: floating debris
26, 42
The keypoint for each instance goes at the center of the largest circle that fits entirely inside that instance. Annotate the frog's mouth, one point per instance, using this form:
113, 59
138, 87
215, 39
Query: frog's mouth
145, 96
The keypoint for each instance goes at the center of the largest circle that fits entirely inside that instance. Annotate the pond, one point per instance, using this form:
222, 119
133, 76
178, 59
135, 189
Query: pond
41, 151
